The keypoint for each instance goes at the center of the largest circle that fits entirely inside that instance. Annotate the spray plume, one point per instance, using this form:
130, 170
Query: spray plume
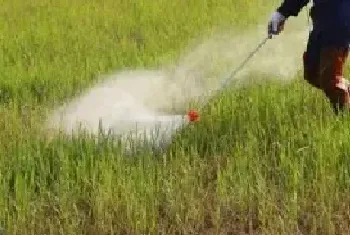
146, 100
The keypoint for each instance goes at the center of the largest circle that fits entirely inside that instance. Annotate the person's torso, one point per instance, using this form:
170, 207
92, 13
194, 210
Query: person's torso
332, 17
332, 11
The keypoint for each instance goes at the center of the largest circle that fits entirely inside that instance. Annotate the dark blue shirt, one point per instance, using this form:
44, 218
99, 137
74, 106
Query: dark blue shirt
331, 18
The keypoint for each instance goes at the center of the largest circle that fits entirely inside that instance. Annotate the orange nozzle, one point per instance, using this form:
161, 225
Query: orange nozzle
193, 115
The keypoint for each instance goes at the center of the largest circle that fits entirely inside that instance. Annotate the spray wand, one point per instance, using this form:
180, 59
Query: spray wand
193, 114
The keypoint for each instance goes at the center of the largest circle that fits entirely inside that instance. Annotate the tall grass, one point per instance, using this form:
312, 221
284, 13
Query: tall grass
268, 158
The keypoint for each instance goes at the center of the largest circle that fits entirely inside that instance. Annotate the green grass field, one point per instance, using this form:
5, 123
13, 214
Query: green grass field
259, 162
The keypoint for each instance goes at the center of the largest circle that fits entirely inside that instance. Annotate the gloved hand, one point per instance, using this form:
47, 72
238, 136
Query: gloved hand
276, 23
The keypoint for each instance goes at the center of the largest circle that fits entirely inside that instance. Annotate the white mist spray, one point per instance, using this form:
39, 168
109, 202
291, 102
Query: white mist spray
143, 100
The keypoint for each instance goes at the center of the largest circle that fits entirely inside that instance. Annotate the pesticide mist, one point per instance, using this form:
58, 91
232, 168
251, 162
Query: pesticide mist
149, 100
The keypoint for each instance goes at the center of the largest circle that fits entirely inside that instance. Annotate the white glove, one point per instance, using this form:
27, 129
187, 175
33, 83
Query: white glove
276, 23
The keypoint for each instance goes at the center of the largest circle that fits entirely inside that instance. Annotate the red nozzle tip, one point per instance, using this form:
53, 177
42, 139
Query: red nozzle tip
193, 115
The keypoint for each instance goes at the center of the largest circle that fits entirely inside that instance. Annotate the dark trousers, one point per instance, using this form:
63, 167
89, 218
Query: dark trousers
324, 69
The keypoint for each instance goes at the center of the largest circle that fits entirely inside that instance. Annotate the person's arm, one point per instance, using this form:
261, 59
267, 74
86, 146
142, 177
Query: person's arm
292, 7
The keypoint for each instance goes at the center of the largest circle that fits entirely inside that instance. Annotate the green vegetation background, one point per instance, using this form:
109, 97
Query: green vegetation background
269, 159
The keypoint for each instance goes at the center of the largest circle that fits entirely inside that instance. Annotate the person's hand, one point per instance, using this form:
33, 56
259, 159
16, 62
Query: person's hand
276, 24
